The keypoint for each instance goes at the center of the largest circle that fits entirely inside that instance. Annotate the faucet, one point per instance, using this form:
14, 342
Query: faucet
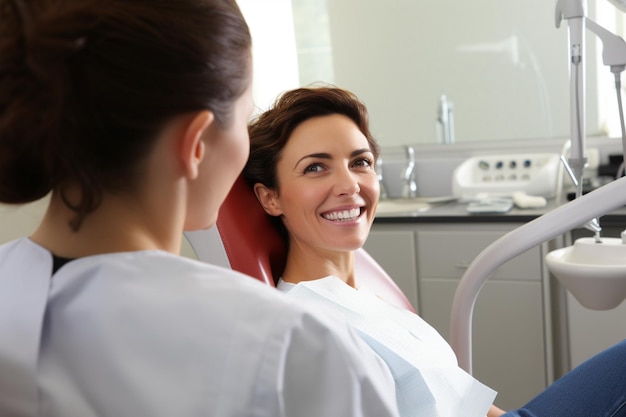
379, 173
410, 186
445, 121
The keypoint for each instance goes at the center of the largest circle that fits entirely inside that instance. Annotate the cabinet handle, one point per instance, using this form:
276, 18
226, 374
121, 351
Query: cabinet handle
462, 265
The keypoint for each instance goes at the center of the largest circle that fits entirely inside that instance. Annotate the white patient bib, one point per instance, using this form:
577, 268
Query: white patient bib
429, 382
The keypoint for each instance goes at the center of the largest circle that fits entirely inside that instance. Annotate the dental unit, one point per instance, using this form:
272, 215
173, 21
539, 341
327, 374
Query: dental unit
593, 269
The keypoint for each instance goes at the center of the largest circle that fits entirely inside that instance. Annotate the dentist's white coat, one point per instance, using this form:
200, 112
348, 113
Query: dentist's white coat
152, 334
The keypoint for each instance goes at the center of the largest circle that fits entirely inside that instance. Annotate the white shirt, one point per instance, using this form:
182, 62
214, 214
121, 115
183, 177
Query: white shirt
152, 334
429, 382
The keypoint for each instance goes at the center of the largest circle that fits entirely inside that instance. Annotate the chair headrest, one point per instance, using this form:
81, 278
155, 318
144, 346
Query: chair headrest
252, 242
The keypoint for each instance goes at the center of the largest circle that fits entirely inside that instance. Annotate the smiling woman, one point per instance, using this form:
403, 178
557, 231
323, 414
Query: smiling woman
326, 193
313, 160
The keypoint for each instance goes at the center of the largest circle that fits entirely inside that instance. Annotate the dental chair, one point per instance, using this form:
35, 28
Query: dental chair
246, 240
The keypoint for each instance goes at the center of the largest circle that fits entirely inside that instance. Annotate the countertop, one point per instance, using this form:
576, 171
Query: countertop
456, 212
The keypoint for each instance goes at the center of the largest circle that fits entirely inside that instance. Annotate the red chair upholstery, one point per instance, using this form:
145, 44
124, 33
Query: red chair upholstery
252, 243
255, 247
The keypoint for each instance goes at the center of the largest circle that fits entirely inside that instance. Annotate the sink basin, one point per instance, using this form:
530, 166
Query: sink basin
403, 205
595, 273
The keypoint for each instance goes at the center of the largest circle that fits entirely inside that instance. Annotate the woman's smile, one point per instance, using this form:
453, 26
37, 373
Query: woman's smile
343, 215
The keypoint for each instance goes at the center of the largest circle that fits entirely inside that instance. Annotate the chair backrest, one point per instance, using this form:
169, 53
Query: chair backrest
254, 246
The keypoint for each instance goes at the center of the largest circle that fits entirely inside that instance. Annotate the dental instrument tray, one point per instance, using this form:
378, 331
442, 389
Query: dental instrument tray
502, 175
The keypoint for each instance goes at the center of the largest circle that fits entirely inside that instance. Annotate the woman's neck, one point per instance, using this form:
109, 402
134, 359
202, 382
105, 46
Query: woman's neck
118, 225
306, 264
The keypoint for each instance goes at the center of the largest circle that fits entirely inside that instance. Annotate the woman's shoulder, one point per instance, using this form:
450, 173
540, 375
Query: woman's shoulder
154, 268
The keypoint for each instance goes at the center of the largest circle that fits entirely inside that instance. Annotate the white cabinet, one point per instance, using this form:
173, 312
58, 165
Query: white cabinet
509, 322
394, 250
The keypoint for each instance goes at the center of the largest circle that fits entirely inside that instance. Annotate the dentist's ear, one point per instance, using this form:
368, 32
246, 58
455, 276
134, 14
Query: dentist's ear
192, 147
268, 199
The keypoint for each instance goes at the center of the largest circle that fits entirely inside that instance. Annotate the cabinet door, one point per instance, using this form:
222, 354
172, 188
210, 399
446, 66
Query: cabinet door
508, 322
394, 250
507, 335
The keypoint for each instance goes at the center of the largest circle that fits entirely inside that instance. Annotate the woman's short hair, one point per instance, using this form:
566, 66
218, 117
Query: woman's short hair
86, 85
271, 130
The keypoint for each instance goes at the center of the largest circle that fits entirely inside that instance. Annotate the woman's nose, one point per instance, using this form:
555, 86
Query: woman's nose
347, 184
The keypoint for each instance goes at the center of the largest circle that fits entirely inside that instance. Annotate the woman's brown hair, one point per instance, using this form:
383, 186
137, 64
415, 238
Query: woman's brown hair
270, 131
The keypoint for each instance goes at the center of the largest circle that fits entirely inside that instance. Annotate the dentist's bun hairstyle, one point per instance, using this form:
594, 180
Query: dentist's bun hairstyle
86, 85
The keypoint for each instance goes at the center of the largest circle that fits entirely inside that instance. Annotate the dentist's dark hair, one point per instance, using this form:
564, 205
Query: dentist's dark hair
86, 86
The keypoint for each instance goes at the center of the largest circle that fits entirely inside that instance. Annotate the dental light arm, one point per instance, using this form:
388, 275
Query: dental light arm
613, 55
613, 47
574, 11
554, 223
619, 4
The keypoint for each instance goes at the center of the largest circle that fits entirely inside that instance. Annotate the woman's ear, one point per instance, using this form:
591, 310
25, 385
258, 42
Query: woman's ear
268, 199
192, 147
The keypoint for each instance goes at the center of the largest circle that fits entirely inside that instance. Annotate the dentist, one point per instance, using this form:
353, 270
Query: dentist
132, 116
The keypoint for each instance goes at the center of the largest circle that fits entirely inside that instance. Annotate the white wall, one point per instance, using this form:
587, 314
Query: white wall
274, 48
504, 65
18, 221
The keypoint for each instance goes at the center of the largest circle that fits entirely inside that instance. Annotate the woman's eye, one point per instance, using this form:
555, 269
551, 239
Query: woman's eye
314, 168
363, 162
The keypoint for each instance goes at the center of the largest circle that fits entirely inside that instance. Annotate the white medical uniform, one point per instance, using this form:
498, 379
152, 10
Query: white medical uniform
152, 334
429, 382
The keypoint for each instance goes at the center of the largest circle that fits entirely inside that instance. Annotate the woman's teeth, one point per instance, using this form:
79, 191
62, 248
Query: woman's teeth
344, 215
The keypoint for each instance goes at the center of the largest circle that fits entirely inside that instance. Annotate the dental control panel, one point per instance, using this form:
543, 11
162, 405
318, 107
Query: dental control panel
503, 175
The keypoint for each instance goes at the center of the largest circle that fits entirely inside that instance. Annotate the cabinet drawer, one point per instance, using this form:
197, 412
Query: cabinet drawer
447, 254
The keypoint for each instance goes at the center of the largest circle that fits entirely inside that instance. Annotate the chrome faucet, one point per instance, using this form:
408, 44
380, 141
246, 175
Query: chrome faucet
379, 173
410, 185
445, 121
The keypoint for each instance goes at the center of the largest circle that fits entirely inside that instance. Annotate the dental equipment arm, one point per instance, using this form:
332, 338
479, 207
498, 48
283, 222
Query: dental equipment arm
560, 220
574, 11
613, 55
619, 4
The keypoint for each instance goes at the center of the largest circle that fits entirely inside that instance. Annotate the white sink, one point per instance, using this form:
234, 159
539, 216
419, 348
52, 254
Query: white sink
595, 273
403, 205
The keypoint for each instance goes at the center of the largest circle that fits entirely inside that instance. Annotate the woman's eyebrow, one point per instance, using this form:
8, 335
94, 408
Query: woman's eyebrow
324, 155
360, 152
321, 155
